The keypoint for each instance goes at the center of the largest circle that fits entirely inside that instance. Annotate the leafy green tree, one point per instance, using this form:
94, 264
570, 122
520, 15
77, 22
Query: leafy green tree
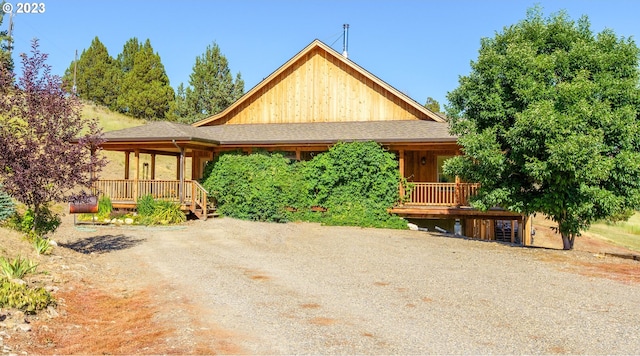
97, 75
211, 88
432, 104
144, 91
6, 43
548, 122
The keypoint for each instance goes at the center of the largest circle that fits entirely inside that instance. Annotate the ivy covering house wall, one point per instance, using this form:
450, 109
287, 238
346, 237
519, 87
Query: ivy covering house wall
355, 182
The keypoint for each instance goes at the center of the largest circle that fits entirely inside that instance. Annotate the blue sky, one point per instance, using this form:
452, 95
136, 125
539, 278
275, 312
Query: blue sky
419, 47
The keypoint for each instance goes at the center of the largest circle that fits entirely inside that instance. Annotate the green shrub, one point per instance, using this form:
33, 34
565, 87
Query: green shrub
356, 182
7, 206
146, 205
20, 296
17, 268
45, 223
167, 212
42, 246
104, 207
259, 186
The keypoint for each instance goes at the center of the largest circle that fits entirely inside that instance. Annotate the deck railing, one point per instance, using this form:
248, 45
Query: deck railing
125, 190
441, 194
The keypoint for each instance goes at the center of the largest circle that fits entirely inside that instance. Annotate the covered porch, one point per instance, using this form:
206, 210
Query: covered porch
430, 194
139, 179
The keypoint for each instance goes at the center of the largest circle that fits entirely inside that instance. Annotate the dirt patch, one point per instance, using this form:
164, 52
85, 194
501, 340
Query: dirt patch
99, 313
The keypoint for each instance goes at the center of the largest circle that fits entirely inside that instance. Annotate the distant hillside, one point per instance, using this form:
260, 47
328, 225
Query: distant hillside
109, 120
165, 166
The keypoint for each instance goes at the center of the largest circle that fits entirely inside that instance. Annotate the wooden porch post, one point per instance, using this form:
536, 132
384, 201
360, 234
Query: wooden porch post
126, 164
178, 167
181, 175
153, 166
401, 167
526, 230
137, 174
298, 155
456, 198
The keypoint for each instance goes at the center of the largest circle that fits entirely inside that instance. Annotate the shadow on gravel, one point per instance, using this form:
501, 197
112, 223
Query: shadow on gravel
103, 244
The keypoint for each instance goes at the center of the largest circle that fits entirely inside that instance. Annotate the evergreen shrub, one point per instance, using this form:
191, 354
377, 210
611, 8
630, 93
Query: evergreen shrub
7, 207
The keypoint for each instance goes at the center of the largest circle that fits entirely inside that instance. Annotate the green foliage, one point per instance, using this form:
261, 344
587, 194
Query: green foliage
145, 92
211, 88
20, 296
255, 187
17, 268
6, 43
146, 205
356, 183
135, 83
104, 207
432, 104
548, 122
163, 212
97, 75
167, 212
42, 246
36, 225
7, 206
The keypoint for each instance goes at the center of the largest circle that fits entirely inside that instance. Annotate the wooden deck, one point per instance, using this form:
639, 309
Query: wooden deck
426, 200
124, 193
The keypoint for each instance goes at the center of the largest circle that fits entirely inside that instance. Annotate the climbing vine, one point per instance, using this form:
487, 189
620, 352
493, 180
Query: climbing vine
351, 184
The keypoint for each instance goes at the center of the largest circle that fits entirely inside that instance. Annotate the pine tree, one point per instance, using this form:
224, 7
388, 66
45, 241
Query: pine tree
126, 58
6, 43
97, 75
432, 104
211, 87
145, 91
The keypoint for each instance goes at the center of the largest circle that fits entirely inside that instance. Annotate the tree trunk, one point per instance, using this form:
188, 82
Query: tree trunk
567, 241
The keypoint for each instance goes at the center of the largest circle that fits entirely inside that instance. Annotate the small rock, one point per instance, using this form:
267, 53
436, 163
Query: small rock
24, 327
51, 289
128, 221
412, 227
53, 243
52, 313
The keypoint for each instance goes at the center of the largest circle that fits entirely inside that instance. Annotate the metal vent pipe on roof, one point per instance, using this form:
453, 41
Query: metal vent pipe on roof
345, 40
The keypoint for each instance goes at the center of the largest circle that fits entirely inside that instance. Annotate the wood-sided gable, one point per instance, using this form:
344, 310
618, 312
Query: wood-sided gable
320, 85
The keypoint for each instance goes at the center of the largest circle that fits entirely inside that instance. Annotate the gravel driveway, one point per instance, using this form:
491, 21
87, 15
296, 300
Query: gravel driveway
302, 288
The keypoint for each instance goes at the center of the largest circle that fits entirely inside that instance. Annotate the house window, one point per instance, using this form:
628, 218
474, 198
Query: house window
442, 178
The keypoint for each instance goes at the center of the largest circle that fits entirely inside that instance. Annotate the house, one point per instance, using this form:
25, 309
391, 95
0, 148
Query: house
314, 100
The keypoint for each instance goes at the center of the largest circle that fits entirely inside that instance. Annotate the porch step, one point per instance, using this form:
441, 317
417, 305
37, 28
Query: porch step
211, 213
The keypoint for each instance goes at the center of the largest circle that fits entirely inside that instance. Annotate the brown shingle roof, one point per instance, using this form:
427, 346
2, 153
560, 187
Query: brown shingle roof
330, 132
321, 132
158, 131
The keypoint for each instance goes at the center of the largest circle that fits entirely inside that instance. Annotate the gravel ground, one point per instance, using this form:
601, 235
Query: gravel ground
302, 288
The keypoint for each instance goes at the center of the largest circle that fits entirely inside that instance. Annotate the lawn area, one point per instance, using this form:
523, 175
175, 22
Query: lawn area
624, 233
